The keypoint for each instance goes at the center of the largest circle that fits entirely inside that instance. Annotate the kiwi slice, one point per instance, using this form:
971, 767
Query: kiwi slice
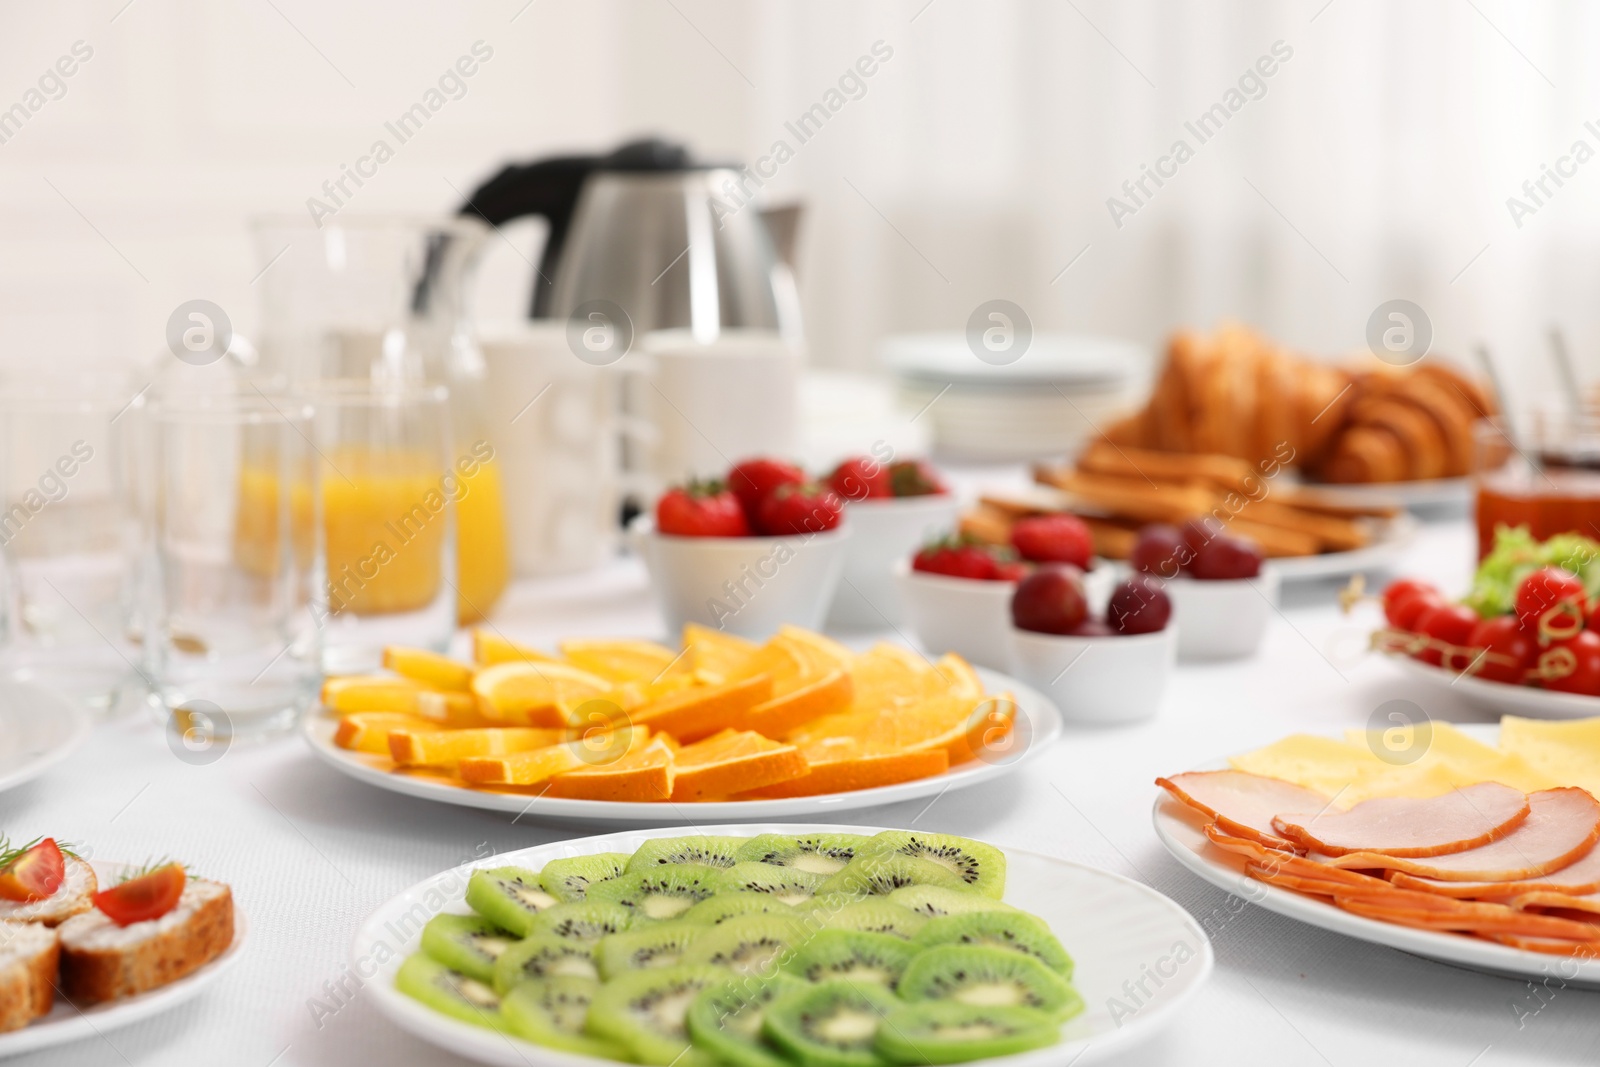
880, 873
450, 992
509, 897
702, 849
818, 853
987, 976
832, 1024
956, 1033
981, 868
725, 906
877, 915
569, 879
725, 1020
651, 945
852, 955
1014, 930
644, 1011
583, 920
550, 1012
543, 956
750, 944
788, 884
663, 892
933, 901
466, 943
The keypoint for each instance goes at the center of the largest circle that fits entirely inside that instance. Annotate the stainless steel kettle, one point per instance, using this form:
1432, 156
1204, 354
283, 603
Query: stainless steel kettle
675, 243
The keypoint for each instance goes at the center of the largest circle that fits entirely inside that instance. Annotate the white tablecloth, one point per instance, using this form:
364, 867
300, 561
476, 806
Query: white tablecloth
310, 853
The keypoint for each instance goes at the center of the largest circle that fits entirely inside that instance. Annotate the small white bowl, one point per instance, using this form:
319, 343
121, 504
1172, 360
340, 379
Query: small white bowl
746, 585
1223, 619
1101, 681
883, 531
967, 616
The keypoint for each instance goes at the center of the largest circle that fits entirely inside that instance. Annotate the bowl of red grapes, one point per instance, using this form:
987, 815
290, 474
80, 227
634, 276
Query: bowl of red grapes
1223, 592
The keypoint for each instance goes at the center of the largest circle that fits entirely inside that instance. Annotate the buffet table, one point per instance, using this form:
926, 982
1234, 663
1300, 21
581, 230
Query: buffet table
310, 854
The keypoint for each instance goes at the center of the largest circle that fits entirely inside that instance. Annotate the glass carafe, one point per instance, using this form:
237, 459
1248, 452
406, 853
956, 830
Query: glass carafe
384, 298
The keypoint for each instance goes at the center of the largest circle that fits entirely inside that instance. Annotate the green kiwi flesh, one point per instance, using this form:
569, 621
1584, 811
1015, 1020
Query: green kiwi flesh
832, 1024
956, 1033
651, 945
732, 904
644, 1011
981, 868
881, 873
983, 976
816, 853
663, 892
852, 955
876, 915
509, 897
703, 849
543, 956
726, 1020
583, 920
788, 884
466, 943
749, 945
932, 901
569, 879
551, 1012
1014, 930
450, 992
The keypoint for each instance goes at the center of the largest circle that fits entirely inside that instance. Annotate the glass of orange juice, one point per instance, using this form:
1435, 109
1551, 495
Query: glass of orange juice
390, 488
232, 638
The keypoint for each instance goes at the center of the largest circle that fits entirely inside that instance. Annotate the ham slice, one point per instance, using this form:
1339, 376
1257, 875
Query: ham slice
1563, 825
1407, 826
1587, 905
1577, 879
1555, 946
1318, 883
1241, 803
1429, 911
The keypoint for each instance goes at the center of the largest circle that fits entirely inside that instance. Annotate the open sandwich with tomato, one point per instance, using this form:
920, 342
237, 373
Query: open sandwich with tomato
60, 929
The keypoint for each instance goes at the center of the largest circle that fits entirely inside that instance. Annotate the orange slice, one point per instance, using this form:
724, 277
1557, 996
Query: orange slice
840, 766
784, 662
623, 661
370, 692
535, 694
718, 655
958, 675
732, 762
703, 710
450, 710
826, 695
440, 748
368, 731
822, 653
490, 648
646, 774
532, 768
429, 668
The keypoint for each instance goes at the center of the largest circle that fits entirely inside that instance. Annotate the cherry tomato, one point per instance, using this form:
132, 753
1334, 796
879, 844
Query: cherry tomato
1503, 636
701, 510
1551, 603
146, 897
1051, 600
861, 478
1400, 589
33, 873
753, 480
915, 477
1053, 539
799, 509
1572, 665
1407, 609
1448, 623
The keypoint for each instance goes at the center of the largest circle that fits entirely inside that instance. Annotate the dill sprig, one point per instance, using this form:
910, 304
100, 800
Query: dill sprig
10, 854
150, 867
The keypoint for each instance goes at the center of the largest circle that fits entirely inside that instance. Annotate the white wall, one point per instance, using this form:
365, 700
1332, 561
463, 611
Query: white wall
1381, 155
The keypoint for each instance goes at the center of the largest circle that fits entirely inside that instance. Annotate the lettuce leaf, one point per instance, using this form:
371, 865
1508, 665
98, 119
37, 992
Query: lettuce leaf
1516, 555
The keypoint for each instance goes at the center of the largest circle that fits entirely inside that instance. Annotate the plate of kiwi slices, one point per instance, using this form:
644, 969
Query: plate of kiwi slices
780, 945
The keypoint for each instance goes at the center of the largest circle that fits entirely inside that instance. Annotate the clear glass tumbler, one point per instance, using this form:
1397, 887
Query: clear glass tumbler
233, 623
390, 487
68, 540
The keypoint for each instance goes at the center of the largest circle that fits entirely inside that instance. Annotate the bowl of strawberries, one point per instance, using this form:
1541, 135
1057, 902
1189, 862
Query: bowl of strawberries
957, 590
746, 553
894, 506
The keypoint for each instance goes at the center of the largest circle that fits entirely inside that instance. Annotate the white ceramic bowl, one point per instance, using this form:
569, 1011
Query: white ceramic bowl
883, 531
1223, 619
1097, 680
745, 585
967, 616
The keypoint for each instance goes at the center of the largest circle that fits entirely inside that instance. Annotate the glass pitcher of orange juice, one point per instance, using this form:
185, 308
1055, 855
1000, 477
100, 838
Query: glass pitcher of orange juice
383, 298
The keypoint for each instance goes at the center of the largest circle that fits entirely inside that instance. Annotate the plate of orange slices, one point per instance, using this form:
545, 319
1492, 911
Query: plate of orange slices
632, 731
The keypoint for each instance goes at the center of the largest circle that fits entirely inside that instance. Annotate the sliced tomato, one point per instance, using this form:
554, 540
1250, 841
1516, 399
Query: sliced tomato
35, 874
146, 897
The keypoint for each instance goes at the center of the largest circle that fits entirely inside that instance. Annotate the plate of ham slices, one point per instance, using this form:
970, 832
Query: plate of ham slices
1482, 876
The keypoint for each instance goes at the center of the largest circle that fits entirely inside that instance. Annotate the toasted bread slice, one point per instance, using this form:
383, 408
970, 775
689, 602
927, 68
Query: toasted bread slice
75, 896
28, 953
101, 960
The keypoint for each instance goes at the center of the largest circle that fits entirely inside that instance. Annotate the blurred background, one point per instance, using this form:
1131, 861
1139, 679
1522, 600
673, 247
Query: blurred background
976, 163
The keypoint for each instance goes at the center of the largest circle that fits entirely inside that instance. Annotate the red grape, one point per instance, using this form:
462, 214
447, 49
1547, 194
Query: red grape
1226, 558
1139, 606
1198, 532
1160, 550
1050, 600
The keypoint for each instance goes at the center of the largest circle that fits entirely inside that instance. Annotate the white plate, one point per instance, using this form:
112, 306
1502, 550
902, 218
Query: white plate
37, 730
1034, 709
1385, 550
1431, 494
1183, 837
69, 1022
1117, 930
1502, 698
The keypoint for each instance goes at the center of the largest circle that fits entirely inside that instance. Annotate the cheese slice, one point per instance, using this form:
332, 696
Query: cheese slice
1566, 751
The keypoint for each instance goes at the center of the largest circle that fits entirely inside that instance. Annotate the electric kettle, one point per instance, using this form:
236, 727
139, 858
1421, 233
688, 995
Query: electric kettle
673, 242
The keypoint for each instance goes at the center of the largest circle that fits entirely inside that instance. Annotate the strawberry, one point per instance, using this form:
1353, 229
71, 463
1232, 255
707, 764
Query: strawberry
961, 557
799, 509
753, 480
1053, 539
915, 477
701, 509
861, 478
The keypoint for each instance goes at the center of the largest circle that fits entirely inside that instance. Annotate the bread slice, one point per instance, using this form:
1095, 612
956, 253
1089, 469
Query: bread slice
75, 896
28, 954
101, 960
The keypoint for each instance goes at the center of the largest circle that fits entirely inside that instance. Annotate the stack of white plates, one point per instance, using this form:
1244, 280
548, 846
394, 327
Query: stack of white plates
1060, 391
